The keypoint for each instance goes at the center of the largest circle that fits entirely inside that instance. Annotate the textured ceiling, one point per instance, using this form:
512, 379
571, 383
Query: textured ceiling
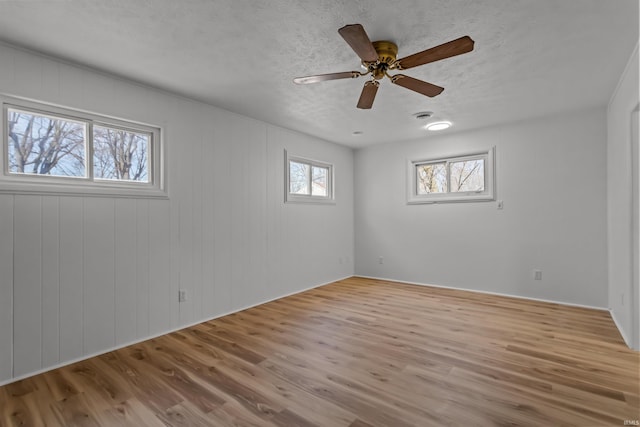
531, 57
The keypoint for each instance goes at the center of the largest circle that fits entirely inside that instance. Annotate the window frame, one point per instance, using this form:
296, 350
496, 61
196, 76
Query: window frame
308, 198
25, 183
488, 194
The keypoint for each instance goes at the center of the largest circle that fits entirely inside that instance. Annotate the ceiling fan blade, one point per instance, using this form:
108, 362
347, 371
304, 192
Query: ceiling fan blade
359, 41
324, 77
416, 85
446, 50
368, 94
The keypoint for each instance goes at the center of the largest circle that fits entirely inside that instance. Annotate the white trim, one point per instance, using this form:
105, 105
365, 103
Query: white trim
621, 330
633, 300
623, 76
488, 194
635, 228
149, 337
480, 291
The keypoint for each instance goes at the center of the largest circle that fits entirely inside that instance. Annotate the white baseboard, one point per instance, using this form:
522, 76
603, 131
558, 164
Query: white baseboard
622, 331
487, 292
89, 356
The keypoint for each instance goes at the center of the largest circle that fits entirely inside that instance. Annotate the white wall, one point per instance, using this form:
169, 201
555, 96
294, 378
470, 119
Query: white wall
81, 275
551, 176
624, 297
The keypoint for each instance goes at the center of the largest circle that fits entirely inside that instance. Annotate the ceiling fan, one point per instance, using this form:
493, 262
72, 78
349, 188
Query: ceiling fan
380, 57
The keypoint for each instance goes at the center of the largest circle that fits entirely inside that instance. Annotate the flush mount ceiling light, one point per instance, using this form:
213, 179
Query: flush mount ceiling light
438, 126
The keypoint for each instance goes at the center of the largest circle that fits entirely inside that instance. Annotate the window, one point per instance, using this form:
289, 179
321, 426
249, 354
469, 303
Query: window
52, 149
308, 180
468, 177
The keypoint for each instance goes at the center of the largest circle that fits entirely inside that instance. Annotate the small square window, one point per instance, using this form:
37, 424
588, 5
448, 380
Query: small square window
308, 180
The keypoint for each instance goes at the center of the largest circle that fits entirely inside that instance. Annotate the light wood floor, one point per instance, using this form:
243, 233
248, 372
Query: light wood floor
354, 353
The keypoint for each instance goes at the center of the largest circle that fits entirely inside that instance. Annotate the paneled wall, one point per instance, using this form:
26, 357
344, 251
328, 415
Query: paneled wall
551, 176
82, 275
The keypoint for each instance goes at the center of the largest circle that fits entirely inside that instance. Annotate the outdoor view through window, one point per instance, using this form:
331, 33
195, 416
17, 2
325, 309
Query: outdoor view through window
46, 144
464, 178
452, 177
309, 181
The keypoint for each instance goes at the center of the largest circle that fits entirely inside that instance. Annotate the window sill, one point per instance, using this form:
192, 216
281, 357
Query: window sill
416, 200
81, 189
309, 200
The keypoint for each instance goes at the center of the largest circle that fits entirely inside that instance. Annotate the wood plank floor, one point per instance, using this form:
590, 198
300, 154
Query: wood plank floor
356, 353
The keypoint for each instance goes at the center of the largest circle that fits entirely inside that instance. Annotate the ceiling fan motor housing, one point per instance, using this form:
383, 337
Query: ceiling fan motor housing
387, 52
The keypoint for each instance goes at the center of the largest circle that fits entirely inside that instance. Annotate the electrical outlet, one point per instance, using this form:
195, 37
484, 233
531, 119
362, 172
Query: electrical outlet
380, 260
182, 295
339, 260
500, 205
622, 299
537, 274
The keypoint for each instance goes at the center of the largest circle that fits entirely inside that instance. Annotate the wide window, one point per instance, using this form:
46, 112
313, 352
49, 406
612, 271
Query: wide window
467, 177
308, 180
52, 149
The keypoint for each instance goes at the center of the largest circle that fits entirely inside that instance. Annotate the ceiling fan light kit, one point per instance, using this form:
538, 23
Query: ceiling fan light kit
379, 57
